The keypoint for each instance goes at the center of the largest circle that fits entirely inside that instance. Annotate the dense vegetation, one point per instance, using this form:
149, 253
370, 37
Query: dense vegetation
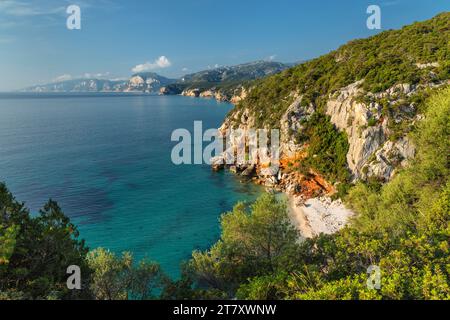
36, 251
417, 54
327, 146
403, 227
383, 60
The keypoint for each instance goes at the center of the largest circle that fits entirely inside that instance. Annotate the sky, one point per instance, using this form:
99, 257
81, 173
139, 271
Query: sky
176, 37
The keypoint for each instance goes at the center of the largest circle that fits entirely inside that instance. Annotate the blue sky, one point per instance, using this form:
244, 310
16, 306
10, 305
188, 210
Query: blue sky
190, 35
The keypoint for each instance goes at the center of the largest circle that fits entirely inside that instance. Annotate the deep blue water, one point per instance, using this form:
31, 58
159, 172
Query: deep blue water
106, 160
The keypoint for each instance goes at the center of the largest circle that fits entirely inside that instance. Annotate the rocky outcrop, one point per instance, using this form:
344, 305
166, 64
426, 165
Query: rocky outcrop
136, 81
427, 65
214, 94
391, 155
365, 128
291, 122
169, 90
239, 95
221, 96
191, 93
371, 153
208, 94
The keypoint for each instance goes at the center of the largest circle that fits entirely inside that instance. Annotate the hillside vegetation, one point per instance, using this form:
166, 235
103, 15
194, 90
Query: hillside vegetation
389, 58
344, 107
402, 227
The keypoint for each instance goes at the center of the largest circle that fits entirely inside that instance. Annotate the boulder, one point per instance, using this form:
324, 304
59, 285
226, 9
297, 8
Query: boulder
249, 171
217, 163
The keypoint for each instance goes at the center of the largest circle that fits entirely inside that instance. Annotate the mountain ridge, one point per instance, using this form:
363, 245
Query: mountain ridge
223, 83
151, 82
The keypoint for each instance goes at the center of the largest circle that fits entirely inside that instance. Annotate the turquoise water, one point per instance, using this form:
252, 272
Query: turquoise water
106, 160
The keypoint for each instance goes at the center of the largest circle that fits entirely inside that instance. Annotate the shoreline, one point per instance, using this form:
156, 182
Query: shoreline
317, 215
298, 217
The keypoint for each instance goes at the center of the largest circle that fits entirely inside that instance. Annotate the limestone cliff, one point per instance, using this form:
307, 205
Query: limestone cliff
351, 110
373, 153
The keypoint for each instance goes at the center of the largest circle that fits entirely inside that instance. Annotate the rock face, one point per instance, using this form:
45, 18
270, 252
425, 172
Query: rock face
370, 154
214, 94
169, 90
389, 157
372, 151
191, 93
136, 81
217, 163
353, 117
208, 94
147, 82
239, 95
291, 122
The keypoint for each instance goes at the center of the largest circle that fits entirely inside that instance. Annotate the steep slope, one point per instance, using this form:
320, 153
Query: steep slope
370, 91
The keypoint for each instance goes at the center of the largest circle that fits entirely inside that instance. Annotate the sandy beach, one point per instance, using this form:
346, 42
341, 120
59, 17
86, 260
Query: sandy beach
318, 215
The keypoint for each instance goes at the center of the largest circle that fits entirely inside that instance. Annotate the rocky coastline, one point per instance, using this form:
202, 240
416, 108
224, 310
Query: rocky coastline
372, 154
235, 97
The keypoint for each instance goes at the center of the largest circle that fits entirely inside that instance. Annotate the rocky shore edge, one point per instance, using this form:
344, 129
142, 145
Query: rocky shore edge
235, 97
311, 207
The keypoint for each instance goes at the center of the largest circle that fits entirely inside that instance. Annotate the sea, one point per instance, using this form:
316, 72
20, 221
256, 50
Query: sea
106, 160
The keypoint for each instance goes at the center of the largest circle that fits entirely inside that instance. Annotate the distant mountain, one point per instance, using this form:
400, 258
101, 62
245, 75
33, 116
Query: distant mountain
79, 85
147, 82
222, 82
140, 82
241, 72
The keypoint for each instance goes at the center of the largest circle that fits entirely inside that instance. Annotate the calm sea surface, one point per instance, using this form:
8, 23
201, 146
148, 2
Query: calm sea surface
106, 160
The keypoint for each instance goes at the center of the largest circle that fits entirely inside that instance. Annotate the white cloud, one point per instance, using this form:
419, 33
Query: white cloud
185, 69
63, 77
272, 57
160, 63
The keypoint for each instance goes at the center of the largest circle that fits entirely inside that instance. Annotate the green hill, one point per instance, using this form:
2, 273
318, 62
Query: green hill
389, 58
352, 109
